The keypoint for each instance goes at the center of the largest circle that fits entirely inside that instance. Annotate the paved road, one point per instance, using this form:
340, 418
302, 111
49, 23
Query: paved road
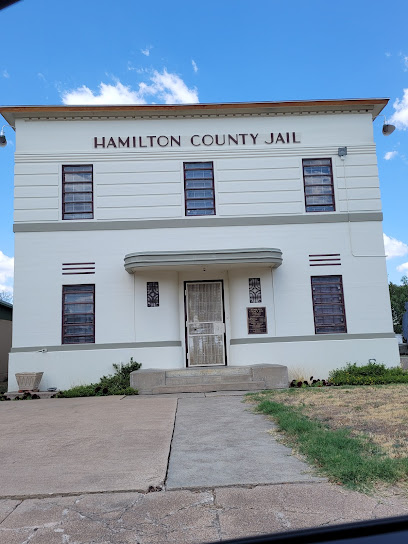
218, 441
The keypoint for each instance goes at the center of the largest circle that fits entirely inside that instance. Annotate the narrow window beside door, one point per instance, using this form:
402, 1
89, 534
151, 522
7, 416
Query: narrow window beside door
255, 294
152, 294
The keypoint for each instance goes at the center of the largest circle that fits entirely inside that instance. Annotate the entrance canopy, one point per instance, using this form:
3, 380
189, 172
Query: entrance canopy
179, 260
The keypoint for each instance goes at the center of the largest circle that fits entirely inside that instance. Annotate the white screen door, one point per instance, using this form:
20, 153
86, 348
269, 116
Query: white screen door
205, 324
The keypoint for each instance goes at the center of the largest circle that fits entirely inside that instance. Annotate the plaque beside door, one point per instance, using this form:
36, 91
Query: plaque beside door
257, 320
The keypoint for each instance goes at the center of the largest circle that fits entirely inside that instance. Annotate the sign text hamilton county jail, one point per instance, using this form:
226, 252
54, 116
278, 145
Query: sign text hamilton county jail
197, 140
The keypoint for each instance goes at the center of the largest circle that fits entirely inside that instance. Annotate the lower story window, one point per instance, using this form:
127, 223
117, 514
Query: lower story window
78, 314
328, 304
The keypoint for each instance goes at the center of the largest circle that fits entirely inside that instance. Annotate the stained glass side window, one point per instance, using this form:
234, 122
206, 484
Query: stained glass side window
255, 294
152, 294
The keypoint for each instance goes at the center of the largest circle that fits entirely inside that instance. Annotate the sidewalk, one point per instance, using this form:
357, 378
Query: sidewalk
92, 453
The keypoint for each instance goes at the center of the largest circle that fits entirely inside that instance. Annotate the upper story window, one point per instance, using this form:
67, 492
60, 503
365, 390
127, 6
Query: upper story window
199, 188
318, 180
328, 304
77, 192
78, 314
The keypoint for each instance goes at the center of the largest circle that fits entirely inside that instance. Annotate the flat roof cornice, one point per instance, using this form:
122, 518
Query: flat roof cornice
294, 107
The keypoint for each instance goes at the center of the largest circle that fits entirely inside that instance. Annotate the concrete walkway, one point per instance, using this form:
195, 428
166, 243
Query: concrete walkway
82, 445
218, 442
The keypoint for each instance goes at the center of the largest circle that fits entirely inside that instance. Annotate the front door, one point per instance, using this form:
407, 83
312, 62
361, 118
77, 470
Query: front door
205, 323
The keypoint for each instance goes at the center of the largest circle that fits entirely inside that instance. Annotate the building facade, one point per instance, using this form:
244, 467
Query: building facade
215, 234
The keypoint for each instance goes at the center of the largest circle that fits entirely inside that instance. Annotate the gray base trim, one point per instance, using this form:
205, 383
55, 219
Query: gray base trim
87, 347
312, 338
309, 218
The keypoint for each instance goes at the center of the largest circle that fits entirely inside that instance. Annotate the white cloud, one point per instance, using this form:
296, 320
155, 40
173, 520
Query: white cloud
405, 62
387, 54
390, 155
146, 51
108, 94
195, 67
403, 268
161, 87
400, 116
5, 74
394, 247
171, 89
6, 272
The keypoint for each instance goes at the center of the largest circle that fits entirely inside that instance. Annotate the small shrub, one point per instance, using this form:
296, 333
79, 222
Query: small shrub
370, 374
116, 384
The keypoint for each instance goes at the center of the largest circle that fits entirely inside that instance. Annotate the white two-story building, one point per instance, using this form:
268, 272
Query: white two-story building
197, 235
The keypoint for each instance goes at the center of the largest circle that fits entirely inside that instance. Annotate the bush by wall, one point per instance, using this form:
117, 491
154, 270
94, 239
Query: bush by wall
116, 384
370, 374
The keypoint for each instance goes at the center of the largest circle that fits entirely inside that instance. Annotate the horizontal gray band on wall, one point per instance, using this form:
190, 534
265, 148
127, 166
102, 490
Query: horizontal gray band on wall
353, 217
82, 347
312, 338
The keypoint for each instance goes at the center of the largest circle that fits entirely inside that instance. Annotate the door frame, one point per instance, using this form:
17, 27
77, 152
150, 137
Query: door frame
223, 318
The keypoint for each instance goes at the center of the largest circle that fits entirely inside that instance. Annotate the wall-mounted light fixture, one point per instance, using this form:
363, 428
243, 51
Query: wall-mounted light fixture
3, 139
387, 128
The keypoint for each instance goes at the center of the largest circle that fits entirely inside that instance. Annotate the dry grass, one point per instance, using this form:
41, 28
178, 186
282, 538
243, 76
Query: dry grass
378, 412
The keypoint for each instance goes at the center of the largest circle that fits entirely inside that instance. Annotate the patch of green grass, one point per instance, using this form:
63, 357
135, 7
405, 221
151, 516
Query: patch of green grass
371, 374
354, 462
116, 384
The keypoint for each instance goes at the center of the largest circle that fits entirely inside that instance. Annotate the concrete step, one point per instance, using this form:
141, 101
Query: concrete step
210, 371
208, 378
208, 388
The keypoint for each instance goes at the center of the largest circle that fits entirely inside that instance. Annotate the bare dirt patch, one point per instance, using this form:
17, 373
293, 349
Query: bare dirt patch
377, 412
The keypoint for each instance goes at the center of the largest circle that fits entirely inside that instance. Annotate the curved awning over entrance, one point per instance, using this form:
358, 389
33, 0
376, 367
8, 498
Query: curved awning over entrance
228, 258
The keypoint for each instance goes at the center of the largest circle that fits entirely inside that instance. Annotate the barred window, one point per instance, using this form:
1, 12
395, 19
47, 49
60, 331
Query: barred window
78, 314
318, 182
77, 192
199, 188
328, 304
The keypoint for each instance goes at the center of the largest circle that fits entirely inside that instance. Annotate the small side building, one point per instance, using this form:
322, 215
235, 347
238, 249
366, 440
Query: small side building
6, 320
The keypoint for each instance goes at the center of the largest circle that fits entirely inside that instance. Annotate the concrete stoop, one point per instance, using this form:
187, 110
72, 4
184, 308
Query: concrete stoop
210, 378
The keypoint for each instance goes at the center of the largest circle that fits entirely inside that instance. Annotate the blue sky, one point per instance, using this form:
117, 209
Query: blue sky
96, 51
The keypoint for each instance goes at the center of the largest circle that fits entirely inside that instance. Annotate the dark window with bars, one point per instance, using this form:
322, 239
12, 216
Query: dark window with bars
318, 181
199, 188
152, 288
78, 314
77, 192
328, 304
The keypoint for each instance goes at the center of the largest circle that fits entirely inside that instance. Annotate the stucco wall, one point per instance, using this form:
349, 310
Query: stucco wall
259, 198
